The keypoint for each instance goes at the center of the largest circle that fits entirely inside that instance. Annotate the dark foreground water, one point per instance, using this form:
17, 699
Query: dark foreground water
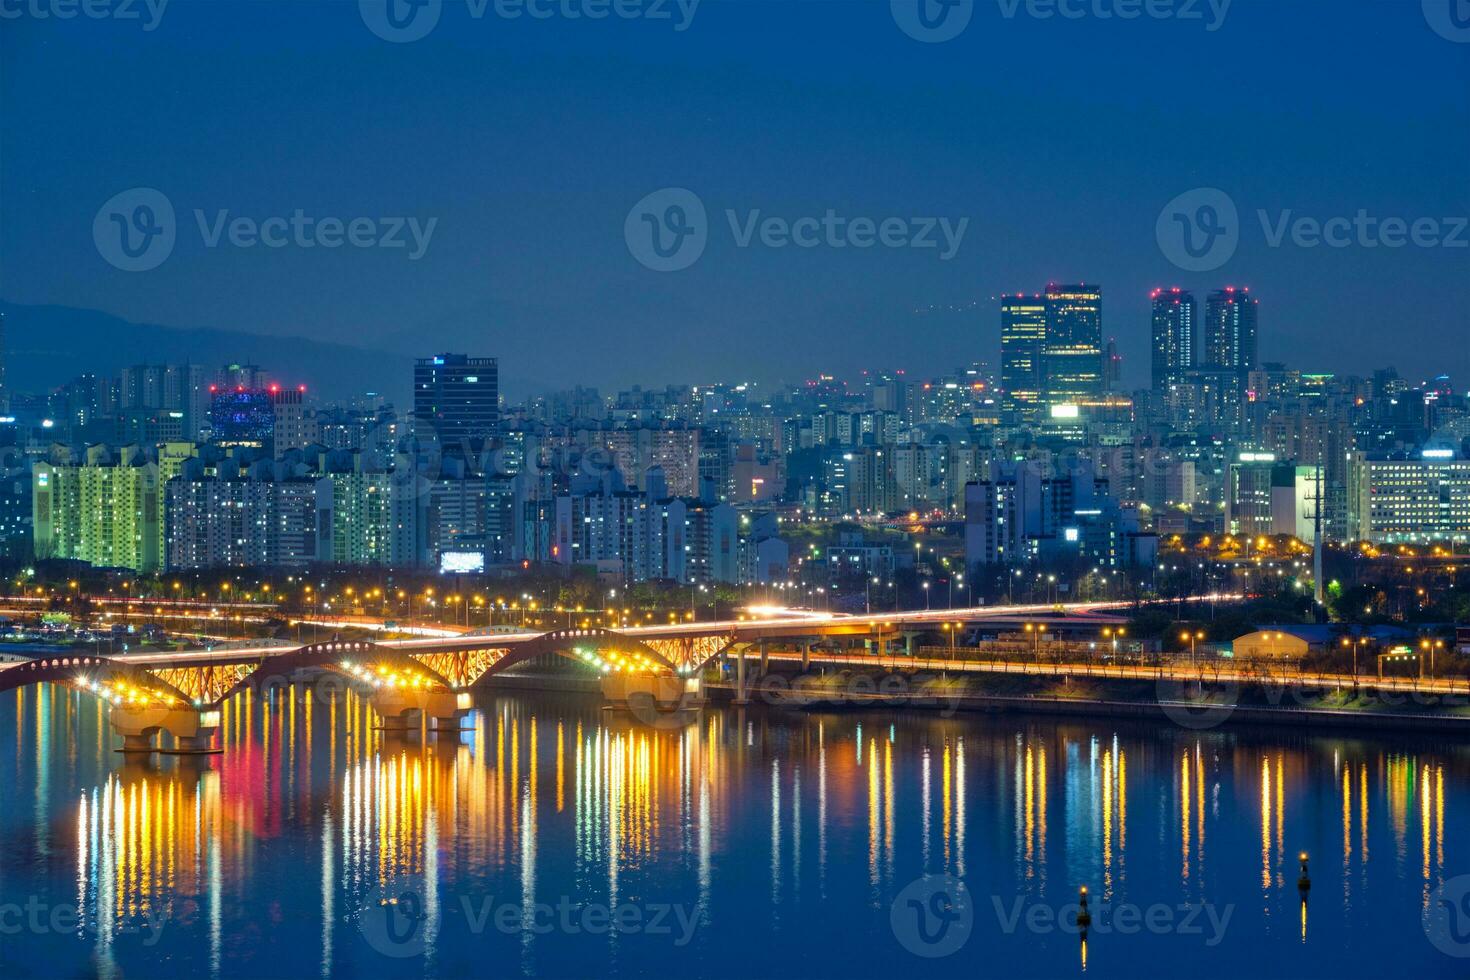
556, 839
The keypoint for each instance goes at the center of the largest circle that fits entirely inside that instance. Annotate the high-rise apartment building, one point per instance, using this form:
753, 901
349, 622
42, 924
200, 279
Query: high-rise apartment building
104, 511
457, 397
1230, 329
1173, 335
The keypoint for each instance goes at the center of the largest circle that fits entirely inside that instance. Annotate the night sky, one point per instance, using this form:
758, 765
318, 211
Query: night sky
530, 140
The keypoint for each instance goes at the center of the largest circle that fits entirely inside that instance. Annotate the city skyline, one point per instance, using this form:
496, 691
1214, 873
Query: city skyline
506, 263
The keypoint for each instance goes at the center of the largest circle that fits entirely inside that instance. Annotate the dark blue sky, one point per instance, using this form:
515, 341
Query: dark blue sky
530, 140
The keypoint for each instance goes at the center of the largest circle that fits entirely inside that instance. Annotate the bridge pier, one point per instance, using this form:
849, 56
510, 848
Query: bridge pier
765, 658
664, 694
741, 697
806, 655
400, 709
193, 727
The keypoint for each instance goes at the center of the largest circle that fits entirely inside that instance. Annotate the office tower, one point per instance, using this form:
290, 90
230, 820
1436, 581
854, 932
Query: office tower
1230, 329
1112, 366
1022, 339
242, 417
457, 398
1072, 355
294, 425
1173, 335
1409, 497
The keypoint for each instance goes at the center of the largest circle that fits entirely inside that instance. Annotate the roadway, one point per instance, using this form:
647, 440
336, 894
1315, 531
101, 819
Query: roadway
762, 623
1213, 672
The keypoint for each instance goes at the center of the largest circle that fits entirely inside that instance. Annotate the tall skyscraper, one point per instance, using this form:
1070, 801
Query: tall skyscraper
1173, 334
1022, 338
1230, 329
1072, 354
458, 398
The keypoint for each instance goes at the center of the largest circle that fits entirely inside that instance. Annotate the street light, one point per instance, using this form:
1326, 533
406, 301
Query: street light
1431, 647
1192, 639
925, 587
1356, 644
1037, 632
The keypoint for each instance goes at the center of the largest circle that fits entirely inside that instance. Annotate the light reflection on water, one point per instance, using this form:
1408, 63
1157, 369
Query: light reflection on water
788, 833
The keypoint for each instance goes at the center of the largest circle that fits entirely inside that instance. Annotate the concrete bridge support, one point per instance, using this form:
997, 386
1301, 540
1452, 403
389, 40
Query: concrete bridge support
193, 727
741, 696
400, 709
661, 692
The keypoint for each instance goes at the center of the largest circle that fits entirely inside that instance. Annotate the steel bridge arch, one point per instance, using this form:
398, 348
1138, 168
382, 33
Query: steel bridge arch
82, 673
563, 642
330, 656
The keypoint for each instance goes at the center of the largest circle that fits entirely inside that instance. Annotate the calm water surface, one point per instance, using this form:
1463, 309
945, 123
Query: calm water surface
748, 843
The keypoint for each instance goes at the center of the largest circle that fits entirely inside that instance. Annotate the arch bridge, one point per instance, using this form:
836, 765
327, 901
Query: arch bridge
182, 695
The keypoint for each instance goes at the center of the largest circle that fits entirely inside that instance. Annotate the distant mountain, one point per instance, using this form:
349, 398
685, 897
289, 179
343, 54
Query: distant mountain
46, 346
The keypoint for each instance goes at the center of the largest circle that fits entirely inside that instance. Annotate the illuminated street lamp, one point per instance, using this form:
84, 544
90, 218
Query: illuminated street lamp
1192, 639
1037, 632
1431, 647
1356, 643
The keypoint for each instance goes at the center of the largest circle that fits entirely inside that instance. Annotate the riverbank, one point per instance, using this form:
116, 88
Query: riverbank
1176, 704
1179, 703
